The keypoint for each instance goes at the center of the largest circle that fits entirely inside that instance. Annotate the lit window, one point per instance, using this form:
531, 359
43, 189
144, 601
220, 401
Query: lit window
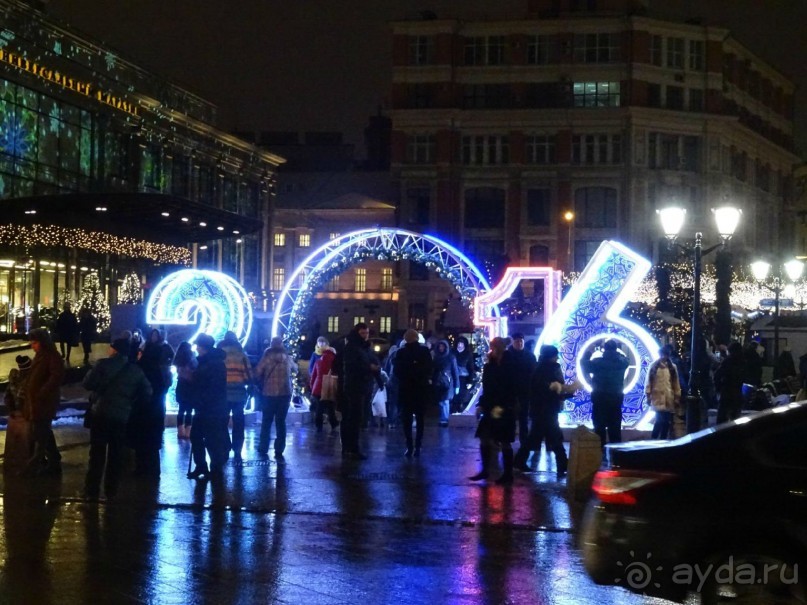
333, 324
278, 278
333, 285
386, 279
334, 235
385, 325
280, 239
305, 240
361, 280
358, 319
596, 94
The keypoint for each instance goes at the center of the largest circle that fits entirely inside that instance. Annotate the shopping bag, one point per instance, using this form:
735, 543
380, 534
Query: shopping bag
380, 403
330, 387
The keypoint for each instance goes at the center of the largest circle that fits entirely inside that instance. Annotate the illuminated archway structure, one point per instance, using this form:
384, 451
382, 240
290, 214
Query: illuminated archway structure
386, 244
590, 313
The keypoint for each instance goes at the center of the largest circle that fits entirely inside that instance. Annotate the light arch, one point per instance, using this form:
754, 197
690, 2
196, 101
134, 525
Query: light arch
390, 244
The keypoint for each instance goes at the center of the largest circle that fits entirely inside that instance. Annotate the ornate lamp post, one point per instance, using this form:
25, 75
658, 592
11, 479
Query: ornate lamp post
761, 270
672, 220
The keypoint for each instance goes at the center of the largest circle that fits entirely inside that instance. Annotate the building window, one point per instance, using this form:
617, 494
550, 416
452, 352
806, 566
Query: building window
301, 278
420, 149
358, 319
278, 278
486, 96
385, 324
695, 99
539, 255
280, 240
696, 55
654, 95
583, 252
304, 240
539, 204
597, 149
334, 235
675, 53
596, 48
421, 50
386, 279
596, 94
484, 208
656, 50
333, 324
485, 150
418, 272
541, 149
674, 152
595, 207
539, 50
361, 280
417, 316
484, 50
418, 205
333, 284
421, 95
675, 97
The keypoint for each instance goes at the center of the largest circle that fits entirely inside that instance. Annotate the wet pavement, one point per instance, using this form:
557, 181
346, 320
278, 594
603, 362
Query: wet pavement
311, 530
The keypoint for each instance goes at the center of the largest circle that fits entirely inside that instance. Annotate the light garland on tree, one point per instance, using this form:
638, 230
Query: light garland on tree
30, 236
131, 292
93, 299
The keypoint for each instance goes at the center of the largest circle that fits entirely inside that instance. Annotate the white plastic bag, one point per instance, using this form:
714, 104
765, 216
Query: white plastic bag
380, 403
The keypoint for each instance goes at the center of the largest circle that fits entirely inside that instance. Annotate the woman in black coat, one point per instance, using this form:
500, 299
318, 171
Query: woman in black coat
498, 404
445, 379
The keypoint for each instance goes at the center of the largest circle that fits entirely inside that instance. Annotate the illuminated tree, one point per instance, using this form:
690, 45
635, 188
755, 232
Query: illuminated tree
92, 297
131, 293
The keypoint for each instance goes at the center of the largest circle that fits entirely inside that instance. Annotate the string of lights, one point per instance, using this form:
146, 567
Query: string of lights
30, 236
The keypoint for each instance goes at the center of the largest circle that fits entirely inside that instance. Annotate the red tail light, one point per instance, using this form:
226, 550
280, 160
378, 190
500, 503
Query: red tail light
622, 487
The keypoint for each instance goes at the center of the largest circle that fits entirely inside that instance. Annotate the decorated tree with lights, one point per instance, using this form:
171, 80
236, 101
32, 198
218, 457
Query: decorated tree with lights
131, 293
92, 297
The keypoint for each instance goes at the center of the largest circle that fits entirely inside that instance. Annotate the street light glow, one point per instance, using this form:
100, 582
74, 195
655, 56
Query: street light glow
727, 218
672, 220
760, 269
794, 268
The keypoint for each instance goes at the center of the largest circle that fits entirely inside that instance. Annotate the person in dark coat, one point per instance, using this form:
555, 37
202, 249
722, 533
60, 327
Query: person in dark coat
357, 368
212, 411
147, 420
115, 386
186, 364
498, 404
607, 385
546, 393
525, 364
68, 331
466, 369
753, 363
41, 402
412, 369
729, 379
785, 365
88, 326
445, 378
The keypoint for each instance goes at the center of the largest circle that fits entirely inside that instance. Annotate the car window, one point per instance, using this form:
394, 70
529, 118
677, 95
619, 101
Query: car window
785, 447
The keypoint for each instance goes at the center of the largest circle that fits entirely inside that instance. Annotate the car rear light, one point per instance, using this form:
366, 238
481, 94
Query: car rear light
623, 487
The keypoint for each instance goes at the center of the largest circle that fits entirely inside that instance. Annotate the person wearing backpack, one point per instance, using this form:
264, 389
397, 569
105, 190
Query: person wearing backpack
445, 379
239, 380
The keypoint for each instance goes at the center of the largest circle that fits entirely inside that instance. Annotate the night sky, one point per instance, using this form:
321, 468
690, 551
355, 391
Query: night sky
325, 64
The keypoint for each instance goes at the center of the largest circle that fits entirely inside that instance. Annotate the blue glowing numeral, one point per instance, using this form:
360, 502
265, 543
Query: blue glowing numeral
589, 313
213, 302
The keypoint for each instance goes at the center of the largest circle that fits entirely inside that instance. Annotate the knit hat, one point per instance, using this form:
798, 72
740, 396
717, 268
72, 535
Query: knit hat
549, 351
23, 362
121, 345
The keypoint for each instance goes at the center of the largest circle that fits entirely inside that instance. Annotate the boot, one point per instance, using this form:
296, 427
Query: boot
484, 452
561, 461
507, 475
520, 462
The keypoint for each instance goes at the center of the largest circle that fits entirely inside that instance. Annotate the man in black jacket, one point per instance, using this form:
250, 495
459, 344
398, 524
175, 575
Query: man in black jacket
212, 412
607, 391
357, 367
524, 363
412, 368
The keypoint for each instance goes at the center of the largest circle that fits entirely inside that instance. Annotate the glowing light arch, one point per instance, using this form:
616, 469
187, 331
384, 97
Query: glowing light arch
590, 312
388, 244
213, 301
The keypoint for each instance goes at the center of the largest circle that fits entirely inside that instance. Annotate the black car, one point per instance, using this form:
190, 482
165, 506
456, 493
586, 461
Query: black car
722, 512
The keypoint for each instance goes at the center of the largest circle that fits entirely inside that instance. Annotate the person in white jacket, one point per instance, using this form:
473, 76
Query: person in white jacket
664, 391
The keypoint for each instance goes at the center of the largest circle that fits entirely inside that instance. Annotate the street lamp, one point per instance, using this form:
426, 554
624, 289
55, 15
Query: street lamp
568, 216
761, 270
672, 221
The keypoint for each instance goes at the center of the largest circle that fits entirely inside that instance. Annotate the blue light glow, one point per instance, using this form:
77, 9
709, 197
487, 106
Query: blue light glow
213, 302
591, 311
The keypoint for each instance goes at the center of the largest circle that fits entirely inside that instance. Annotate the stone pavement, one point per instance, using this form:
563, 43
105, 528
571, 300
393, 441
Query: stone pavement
311, 530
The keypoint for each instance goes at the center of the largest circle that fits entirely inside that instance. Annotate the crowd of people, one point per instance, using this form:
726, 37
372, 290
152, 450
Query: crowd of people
349, 385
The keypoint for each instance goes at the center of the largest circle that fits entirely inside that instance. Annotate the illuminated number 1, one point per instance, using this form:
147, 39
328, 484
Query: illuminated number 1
589, 314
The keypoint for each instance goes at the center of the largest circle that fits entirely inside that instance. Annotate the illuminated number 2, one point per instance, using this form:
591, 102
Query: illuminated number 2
589, 314
211, 301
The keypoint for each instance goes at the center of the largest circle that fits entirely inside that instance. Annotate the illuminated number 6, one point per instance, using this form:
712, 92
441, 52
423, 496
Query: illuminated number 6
212, 301
589, 314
